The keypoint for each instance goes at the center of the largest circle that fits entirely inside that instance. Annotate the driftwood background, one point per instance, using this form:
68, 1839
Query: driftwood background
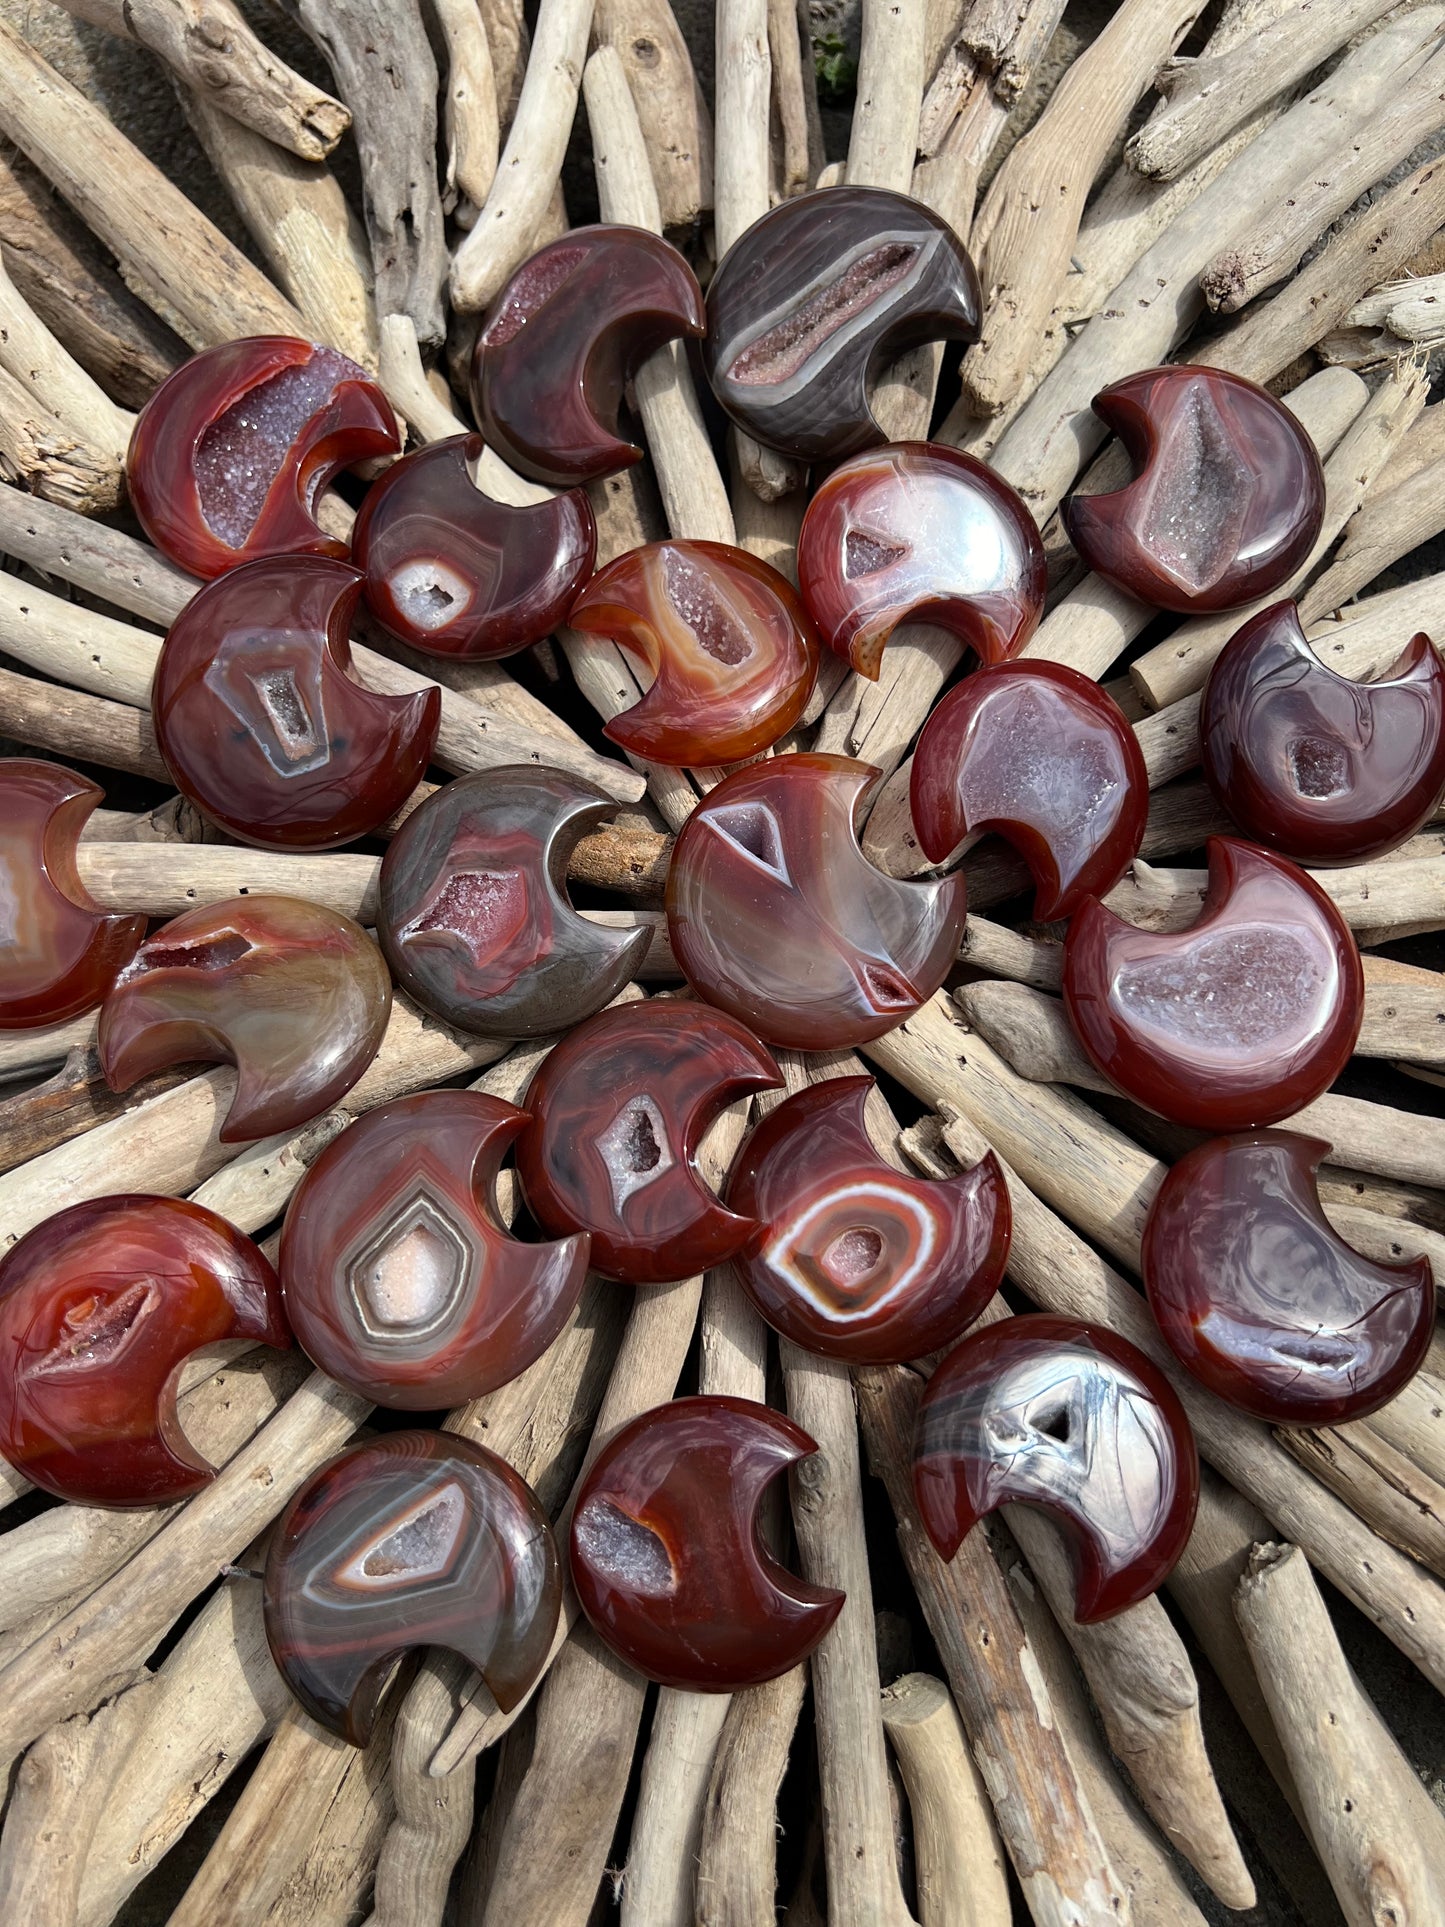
961, 1752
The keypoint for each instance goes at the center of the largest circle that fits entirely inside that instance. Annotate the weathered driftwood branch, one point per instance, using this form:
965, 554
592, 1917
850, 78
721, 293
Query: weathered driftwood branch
797, 132
1381, 1837
67, 723
1373, 898
1043, 1813
180, 264
531, 161
470, 120
385, 72
737, 1850
1402, 1503
1273, 244
672, 1793
676, 125
311, 240
884, 135
960, 1866
211, 49
1389, 523
1158, 301
71, 283
1208, 97
1080, 1165
1025, 231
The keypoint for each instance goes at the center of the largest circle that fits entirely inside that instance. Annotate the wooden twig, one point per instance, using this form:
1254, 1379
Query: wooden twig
385, 72
737, 1851
1206, 98
184, 267
1083, 1166
1381, 1837
884, 134
531, 161
1272, 246
1374, 898
676, 126
1402, 1503
70, 282
1043, 1813
797, 133
1158, 301
960, 1866
311, 240
1026, 229
66, 723
667, 1824
210, 48
470, 120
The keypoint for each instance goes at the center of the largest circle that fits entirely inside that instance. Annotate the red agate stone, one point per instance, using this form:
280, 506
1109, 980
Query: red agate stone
455, 572
776, 915
1071, 1418
100, 1306
414, 1539
1306, 761
260, 721
564, 338
231, 451
294, 995
59, 951
1242, 1019
618, 1109
853, 1259
1263, 1301
731, 649
1227, 499
474, 916
1046, 758
399, 1280
920, 532
815, 298
667, 1558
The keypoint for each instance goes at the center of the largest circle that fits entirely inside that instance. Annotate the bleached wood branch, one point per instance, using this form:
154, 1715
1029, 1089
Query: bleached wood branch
960, 1865
676, 126
470, 121
884, 135
737, 1852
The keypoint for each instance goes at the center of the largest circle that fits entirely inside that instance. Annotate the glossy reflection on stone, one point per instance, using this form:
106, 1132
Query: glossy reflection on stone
1046, 758
920, 532
454, 572
732, 650
776, 915
1071, 1418
816, 298
59, 951
1242, 1019
1227, 499
294, 995
399, 1279
260, 721
855, 1260
564, 338
1263, 1301
230, 453
100, 1306
1321, 768
667, 1557
415, 1539
619, 1108
474, 914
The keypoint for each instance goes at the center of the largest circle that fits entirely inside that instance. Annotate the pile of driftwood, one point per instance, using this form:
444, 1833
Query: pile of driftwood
134, 1678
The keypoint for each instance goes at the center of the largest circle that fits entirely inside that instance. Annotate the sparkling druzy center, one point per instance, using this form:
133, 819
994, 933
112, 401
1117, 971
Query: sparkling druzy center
636, 1149
414, 1546
407, 1279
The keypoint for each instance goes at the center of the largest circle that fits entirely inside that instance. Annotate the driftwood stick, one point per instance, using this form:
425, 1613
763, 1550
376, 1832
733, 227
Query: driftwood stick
1026, 229
1373, 898
1389, 523
960, 1865
884, 134
797, 133
1043, 1813
673, 115
1158, 301
737, 1851
211, 49
1271, 247
1402, 1503
69, 280
103, 561
1148, 1874
1061, 1272
672, 1794
1377, 242
185, 268
385, 72
694, 495
65, 722
1381, 1837
531, 161
1205, 99
470, 120
1179, 665
295, 211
